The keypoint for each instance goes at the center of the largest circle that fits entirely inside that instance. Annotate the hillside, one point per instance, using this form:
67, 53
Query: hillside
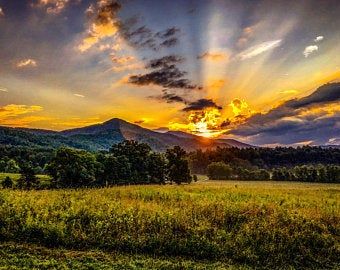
102, 136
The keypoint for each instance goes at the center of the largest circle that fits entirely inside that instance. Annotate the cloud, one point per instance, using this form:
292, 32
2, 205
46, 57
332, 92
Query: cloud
123, 63
201, 104
79, 95
239, 107
168, 33
318, 38
53, 6
170, 36
142, 121
288, 92
172, 97
246, 35
26, 63
164, 73
121, 60
77, 122
326, 93
334, 141
103, 23
213, 56
138, 122
169, 42
259, 49
315, 117
165, 61
310, 49
3, 89
2, 13
143, 37
18, 115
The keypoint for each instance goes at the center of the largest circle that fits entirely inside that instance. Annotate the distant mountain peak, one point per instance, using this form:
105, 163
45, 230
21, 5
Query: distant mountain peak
102, 136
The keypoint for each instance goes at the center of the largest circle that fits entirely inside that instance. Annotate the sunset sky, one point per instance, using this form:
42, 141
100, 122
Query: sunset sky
262, 72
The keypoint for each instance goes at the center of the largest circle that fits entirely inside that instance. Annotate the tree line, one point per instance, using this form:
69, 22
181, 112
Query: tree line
304, 173
264, 158
128, 162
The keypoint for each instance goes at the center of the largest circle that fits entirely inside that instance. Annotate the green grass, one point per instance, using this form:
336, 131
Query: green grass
23, 256
255, 224
43, 179
15, 176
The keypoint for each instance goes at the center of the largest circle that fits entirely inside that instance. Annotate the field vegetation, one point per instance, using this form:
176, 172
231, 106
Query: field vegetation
249, 224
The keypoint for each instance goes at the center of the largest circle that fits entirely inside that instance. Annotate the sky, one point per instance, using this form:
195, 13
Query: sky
263, 72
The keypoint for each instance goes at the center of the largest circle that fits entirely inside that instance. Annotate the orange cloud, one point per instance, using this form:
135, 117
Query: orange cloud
246, 35
53, 6
289, 92
103, 23
26, 63
239, 106
1, 12
214, 56
16, 115
77, 122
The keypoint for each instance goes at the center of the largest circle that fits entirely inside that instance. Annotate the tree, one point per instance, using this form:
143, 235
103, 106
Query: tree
27, 178
177, 166
12, 166
157, 168
136, 159
219, 171
73, 168
7, 182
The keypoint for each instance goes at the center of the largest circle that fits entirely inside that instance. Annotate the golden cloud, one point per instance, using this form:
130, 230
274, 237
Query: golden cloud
214, 56
103, 23
77, 122
15, 115
53, 6
288, 92
239, 107
26, 63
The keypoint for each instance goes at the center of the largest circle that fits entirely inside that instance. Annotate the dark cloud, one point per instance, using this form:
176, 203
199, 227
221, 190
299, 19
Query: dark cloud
286, 125
225, 123
168, 33
144, 37
201, 104
164, 73
171, 98
326, 93
165, 61
169, 42
138, 122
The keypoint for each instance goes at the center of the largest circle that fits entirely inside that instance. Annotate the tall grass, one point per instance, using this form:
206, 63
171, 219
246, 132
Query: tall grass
256, 224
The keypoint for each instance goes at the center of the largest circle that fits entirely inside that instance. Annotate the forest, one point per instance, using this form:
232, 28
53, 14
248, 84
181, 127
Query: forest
130, 162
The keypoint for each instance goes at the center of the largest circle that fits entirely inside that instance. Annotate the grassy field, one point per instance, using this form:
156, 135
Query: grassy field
42, 178
206, 225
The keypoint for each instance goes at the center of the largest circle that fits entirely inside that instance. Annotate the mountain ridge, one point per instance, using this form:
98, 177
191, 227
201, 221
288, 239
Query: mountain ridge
103, 135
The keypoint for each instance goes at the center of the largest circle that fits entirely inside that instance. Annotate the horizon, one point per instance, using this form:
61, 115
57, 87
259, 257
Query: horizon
264, 73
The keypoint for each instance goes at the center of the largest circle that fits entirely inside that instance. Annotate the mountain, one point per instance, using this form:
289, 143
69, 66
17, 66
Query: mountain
103, 136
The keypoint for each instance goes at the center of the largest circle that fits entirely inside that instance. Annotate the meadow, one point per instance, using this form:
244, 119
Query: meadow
205, 225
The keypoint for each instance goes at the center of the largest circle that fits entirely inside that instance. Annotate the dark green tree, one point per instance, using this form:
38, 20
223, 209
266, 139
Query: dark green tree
27, 179
177, 165
7, 182
157, 170
73, 168
134, 159
219, 171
